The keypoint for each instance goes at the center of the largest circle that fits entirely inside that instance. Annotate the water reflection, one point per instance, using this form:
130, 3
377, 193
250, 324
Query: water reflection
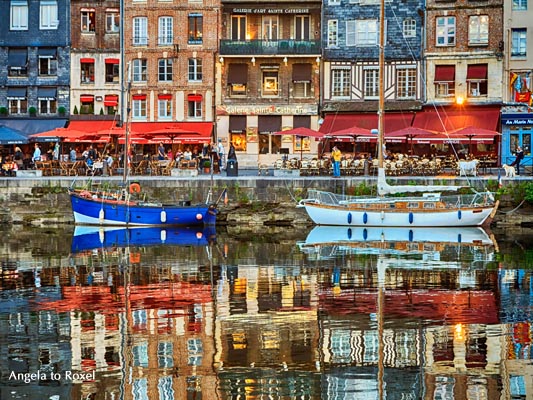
329, 313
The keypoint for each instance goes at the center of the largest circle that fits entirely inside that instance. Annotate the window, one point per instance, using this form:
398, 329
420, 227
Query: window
87, 104
140, 31
48, 15
18, 103
444, 80
87, 70
238, 28
518, 42
409, 27
237, 79
270, 27
165, 31
333, 29
476, 79
478, 29
195, 70
301, 27
47, 100
164, 106
445, 31
301, 80
138, 103
406, 82
17, 61
270, 83
140, 69
340, 82
47, 62
268, 143
19, 16
195, 29
112, 21
165, 70
165, 351
194, 106
362, 32
371, 77
519, 5
112, 71
88, 21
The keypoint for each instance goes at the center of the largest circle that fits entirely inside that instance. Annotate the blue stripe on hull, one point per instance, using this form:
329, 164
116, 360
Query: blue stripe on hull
98, 212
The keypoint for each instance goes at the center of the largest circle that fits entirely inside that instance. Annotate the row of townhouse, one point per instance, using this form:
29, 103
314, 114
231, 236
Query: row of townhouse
250, 68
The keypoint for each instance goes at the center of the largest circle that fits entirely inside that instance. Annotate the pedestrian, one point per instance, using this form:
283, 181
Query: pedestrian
336, 155
519, 156
220, 150
73, 155
55, 151
161, 152
231, 152
36, 153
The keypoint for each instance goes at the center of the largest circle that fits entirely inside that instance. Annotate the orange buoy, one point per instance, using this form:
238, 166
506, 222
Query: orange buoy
135, 188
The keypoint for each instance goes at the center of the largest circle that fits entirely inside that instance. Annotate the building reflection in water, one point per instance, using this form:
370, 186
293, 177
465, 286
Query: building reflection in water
245, 319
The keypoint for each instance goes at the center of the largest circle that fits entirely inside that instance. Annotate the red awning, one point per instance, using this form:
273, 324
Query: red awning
139, 97
87, 60
448, 120
111, 100
164, 96
112, 61
477, 71
393, 121
194, 97
87, 98
171, 132
444, 73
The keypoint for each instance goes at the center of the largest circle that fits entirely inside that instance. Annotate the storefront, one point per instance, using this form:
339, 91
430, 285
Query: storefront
517, 129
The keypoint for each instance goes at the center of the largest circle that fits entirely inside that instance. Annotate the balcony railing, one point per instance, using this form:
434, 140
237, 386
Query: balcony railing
265, 47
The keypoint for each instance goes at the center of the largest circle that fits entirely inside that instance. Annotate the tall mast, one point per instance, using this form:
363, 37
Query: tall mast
381, 105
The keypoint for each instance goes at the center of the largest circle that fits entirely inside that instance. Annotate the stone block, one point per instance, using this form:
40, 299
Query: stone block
290, 173
183, 172
29, 173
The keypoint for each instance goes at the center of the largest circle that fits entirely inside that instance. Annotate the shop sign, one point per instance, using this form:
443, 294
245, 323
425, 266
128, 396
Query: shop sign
517, 119
270, 11
287, 109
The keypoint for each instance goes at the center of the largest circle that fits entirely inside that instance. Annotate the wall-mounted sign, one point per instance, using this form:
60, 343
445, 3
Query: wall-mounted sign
285, 109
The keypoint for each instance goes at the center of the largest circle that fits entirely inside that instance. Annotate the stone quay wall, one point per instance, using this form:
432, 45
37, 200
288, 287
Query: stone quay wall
250, 200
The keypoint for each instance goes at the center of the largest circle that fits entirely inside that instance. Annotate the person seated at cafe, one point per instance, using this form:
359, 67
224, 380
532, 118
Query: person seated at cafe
161, 152
187, 155
9, 167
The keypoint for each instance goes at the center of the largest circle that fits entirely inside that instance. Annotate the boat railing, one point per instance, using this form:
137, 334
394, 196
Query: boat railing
458, 200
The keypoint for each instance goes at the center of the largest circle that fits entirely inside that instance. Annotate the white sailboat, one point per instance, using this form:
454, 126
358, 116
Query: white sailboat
430, 209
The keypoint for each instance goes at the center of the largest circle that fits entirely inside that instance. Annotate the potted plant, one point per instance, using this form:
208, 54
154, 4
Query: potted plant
32, 111
61, 110
3, 111
206, 166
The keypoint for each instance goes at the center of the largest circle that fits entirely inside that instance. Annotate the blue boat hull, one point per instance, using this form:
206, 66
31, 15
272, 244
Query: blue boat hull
89, 238
107, 212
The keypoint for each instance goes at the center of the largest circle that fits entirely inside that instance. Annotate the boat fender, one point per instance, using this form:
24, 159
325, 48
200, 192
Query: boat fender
163, 235
459, 214
382, 215
199, 216
212, 210
199, 235
101, 214
163, 216
411, 235
365, 218
411, 217
349, 233
349, 218
135, 188
101, 235
459, 238
365, 233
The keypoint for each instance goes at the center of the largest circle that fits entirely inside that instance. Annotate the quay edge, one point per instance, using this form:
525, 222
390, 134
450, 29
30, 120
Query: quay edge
251, 200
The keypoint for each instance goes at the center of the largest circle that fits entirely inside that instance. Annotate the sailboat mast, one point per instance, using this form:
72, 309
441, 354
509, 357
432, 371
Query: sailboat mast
381, 85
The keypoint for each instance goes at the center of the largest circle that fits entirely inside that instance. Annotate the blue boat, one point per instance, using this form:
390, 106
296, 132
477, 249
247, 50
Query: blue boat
124, 209
89, 238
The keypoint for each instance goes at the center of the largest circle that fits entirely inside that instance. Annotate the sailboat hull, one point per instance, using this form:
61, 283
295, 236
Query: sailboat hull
345, 216
107, 212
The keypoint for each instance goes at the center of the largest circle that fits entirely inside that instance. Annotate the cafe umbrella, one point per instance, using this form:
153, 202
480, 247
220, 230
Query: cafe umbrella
11, 136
